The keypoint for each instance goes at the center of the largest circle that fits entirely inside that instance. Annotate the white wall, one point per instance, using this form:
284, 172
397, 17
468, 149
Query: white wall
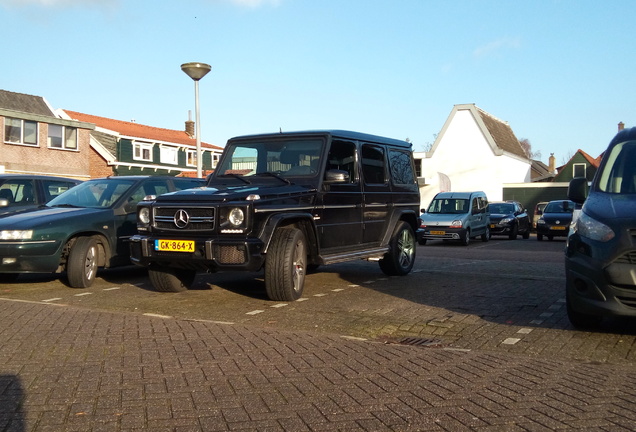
465, 156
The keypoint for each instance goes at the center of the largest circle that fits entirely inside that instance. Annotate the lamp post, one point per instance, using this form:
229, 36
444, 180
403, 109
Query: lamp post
196, 71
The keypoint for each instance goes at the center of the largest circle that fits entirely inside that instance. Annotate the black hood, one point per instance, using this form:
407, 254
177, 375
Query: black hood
237, 192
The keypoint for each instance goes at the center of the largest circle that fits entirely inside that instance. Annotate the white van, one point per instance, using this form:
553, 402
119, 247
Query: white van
455, 216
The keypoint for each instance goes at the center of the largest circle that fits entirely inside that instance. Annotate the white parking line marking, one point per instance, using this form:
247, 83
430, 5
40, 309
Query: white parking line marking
337, 289
546, 315
255, 312
112, 289
157, 315
82, 294
302, 299
511, 341
52, 299
320, 295
525, 330
280, 305
536, 322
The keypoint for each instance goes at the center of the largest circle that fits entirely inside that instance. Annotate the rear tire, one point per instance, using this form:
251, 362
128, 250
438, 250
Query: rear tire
540, 237
422, 241
400, 258
286, 265
526, 234
171, 280
81, 265
486, 235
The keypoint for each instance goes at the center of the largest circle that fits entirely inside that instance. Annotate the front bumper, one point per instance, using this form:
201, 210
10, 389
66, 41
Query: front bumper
30, 256
240, 254
553, 230
497, 229
442, 233
600, 288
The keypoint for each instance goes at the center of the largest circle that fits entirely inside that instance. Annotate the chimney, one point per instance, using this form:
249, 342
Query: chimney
621, 126
189, 125
551, 162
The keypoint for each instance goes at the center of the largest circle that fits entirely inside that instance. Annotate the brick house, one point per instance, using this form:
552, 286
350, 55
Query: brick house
35, 140
129, 148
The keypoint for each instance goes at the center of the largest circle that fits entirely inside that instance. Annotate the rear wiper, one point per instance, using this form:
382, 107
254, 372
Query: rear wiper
271, 174
237, 176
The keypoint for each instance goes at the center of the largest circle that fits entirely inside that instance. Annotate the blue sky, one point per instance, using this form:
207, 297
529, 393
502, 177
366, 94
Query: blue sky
562, 73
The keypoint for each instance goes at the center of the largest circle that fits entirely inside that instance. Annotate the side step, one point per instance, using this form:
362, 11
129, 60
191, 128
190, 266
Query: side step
375, 253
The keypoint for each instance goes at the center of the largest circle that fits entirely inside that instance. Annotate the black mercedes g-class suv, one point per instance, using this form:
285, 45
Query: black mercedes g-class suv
287, 202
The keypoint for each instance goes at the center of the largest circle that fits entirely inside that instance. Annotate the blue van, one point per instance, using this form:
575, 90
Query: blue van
600, 258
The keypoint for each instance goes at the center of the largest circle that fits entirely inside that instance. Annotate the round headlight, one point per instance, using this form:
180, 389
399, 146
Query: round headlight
144, 215
236, 216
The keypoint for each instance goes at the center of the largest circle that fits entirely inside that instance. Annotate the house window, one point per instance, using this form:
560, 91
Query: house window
578, 170
191, 157
17, 131
215, 159
169, 155
62, 137
142, 151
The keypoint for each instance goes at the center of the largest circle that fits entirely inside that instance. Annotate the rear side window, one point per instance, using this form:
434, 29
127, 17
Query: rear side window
373, 165
401, 167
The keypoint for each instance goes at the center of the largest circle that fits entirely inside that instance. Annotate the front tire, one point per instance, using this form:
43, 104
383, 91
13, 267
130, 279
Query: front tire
286, 265
513, 233
171, 280
81, 266
400, 258
466, 239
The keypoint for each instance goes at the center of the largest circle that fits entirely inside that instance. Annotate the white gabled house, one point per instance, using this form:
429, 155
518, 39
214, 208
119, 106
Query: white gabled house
473, 151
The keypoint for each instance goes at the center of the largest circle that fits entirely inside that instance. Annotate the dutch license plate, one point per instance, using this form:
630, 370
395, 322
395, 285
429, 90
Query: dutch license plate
174, 245
438, 232
558, 228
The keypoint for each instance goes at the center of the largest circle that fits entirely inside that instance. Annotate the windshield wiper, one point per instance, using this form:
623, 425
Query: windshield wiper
272, 174
67, 205
237, 176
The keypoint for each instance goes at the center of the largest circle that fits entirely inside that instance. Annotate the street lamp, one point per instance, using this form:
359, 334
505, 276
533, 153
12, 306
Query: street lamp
196, 71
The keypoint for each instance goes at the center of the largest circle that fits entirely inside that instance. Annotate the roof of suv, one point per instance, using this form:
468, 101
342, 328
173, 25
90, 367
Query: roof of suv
333, 133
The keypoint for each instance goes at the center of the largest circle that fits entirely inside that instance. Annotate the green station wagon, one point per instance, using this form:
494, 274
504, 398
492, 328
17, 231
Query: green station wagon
82, 229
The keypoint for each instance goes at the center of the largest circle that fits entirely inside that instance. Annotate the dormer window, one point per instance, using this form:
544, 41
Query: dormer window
142, 151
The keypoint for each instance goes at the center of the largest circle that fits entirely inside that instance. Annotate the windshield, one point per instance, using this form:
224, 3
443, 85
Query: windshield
285, 158
99, 193
449, 206
559, 207
501, 208
619, 173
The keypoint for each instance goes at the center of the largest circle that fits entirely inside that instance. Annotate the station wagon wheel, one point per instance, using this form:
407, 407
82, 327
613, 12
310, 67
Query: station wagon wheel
171, 280
286, 265
466, 239
81, 266
401, 256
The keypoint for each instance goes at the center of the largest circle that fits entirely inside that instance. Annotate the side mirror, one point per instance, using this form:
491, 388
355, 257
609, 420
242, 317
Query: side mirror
422, 210
336, 176
577, 190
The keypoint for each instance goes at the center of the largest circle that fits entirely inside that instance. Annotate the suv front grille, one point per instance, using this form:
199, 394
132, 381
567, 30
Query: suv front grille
627, 258
184, 218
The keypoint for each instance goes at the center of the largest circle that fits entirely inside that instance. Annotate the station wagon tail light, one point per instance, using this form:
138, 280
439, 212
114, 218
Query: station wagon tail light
457, 223
16, 235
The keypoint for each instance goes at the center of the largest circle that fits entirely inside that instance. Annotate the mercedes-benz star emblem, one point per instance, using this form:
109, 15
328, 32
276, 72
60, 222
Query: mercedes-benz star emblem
181, 218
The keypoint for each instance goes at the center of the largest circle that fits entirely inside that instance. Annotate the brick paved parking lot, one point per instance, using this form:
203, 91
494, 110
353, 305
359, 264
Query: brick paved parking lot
475, 339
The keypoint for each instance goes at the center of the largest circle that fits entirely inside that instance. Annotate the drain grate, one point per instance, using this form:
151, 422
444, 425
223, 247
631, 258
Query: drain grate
425, 342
